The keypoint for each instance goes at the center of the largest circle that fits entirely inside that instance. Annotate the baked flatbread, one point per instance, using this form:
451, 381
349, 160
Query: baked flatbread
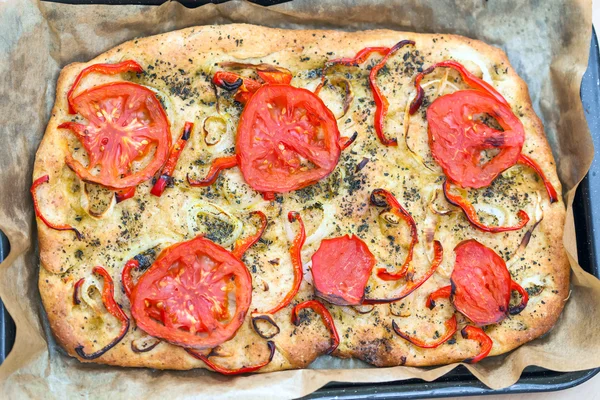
178, 67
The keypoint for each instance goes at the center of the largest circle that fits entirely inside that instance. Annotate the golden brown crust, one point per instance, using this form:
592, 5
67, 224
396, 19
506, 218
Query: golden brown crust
178, 65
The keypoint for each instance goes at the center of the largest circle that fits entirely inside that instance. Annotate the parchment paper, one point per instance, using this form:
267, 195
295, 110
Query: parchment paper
547, 42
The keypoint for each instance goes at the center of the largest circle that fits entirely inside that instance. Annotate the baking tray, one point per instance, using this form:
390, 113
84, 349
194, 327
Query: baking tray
459, 382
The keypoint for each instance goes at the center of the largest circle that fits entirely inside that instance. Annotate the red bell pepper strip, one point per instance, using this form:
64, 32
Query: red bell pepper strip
124, 194
320, 309
268, 73
523, 159
106, 69
167, 172
39, 181
471, 213
451, 327
381, 102
225, 371
241, 246
358, 59
76, 290
217, 166
245, 87
485, 342
468, 77
383, 198
524, 298
108, 299
442, 293
295, 253
346, 142
126, 278
411, 286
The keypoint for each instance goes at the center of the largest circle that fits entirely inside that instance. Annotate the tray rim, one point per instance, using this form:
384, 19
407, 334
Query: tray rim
443, 387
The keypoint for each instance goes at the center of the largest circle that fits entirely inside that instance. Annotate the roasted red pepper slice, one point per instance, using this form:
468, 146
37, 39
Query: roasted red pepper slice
295, 253
523, 159
457, 137
39, 181
124, 194
524, 298
217, 166
320, 309
341, 268
485, 342
108, 299
76, 291
381, 102
411, 286
471, 213
167, 172
441, 293
467, 76
241, 246
225, 371
126, 278
383, 198
451, 327
245, 87
105, 69
269, 73
358, 59
481, 284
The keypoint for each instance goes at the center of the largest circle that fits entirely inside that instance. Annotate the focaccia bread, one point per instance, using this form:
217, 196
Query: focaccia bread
178, 70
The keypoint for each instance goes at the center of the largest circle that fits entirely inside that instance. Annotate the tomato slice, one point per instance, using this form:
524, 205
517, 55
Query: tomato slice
126, 122
184, 296
341, 268
457, 138
287, 139
481, 284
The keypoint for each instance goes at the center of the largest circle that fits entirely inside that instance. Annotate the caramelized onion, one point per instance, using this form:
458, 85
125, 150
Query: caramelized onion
268, 320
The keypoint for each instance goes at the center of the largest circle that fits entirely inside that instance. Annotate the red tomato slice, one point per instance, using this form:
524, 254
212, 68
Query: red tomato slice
341, 268
287, 139
125, 123
481, 283
457, 137
184, 296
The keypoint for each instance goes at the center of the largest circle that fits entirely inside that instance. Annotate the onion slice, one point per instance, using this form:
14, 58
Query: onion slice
144, 344
268, 320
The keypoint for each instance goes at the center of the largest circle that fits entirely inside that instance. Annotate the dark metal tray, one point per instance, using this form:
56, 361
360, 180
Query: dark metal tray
459, 382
